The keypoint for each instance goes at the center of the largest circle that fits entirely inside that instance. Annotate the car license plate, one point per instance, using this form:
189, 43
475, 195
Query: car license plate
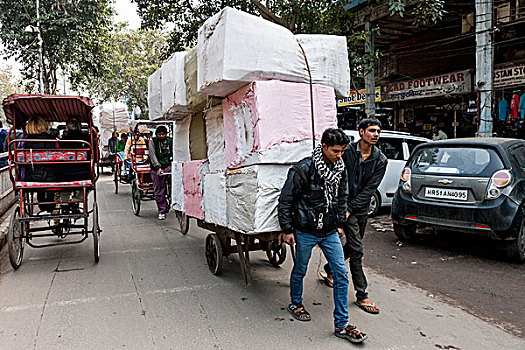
445, 193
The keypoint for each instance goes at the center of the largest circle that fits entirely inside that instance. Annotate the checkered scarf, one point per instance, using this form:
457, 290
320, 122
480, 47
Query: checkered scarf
331, 178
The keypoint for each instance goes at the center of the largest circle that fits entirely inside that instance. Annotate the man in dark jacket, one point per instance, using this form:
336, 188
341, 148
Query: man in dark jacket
365, 166
312, 209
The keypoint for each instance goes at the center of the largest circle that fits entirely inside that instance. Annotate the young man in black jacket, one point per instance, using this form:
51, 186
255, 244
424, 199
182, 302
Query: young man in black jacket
365, 166
312, 209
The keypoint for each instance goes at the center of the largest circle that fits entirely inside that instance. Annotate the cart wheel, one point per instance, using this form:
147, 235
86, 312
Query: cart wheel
16, 239
96, 233
214, 253
276, 255
184, 222
135, 197
115, 179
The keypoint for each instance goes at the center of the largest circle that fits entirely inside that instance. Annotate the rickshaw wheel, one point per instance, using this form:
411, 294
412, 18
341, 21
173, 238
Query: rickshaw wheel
276, 254
96, 233
184, 222
214, 253
16, 239
135, 198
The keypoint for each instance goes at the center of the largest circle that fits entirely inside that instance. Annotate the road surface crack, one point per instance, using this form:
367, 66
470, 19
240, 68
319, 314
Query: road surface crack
143, 309
46, 302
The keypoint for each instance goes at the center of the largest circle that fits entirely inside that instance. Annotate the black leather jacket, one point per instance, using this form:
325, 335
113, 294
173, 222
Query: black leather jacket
302, 202
372, 172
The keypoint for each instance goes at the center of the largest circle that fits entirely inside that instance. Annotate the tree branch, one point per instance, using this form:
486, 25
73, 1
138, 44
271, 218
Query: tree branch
196, 13
267, 14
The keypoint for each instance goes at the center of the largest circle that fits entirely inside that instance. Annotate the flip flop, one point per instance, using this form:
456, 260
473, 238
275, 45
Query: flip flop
326, 280
365, 307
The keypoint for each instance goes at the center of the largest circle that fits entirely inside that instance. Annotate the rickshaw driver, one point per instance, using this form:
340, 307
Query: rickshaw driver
140, 143
160, 155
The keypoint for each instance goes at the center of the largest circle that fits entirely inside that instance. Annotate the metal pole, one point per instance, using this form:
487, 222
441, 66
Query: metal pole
40, 55
370, 98
484, 65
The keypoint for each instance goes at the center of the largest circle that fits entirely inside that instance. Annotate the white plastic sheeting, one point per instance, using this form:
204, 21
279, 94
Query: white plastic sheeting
177, 189
236, 48
328, 60
214, 198
252, 195
181, 140
215, 138
112, 117
173, 88
155, 95
266, 114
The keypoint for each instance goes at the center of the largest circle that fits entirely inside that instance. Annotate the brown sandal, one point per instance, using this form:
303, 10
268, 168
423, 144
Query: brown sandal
327, 279
299, 313
350, 333
369, 307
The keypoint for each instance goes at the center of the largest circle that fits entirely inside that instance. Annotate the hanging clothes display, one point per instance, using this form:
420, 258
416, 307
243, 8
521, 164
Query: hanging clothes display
514, 103
522, 106
503, 109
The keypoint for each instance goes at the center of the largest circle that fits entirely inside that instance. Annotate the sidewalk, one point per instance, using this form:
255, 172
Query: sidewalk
152, 290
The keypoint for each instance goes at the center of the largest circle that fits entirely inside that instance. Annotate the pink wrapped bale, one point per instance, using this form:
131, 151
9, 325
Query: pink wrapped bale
266, 114
192, 177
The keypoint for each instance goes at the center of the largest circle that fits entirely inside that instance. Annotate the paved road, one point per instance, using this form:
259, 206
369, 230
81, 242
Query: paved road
469, 271
152, 290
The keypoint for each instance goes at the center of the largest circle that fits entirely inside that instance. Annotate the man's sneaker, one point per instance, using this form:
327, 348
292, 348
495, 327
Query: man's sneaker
162, 216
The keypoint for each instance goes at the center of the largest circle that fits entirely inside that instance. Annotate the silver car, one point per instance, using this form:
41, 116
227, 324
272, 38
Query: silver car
474, 185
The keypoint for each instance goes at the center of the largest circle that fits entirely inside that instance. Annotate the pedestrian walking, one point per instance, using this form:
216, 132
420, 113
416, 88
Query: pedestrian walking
312, 209
160, 155
365, 167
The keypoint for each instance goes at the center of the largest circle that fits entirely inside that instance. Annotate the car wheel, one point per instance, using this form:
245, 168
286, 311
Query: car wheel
515, 249
405, 232
375, 204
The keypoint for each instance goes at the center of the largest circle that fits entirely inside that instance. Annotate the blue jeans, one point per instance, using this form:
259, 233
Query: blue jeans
333, 251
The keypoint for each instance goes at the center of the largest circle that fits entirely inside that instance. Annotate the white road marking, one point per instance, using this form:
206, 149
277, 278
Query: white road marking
175, 290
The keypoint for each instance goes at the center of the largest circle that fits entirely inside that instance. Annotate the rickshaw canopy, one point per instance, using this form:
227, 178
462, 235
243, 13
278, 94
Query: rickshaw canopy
53, 108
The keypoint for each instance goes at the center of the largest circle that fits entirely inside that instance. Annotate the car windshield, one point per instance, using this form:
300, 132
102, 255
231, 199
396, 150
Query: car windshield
456, 161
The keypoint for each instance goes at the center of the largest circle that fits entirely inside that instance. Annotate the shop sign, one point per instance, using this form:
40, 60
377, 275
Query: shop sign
509, 76
437, 85
358, 97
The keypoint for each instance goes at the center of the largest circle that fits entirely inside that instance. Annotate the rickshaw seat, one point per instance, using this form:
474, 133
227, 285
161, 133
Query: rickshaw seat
44, 185
143, 168
26, 156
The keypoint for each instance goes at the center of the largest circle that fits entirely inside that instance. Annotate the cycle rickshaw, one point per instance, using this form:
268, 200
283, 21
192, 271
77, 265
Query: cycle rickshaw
119, 175
27, 220
142, 184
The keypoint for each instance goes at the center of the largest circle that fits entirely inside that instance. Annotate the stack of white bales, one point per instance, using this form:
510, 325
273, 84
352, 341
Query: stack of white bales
264, 123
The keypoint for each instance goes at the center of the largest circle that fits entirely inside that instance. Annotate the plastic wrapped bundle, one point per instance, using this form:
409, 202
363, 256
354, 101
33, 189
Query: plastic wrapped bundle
214, 199
181, 140
155, 95
252, 195
173, 87
177, 189
268, 114
192, 178
215, 138
196, 101
236, 48
328, 60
